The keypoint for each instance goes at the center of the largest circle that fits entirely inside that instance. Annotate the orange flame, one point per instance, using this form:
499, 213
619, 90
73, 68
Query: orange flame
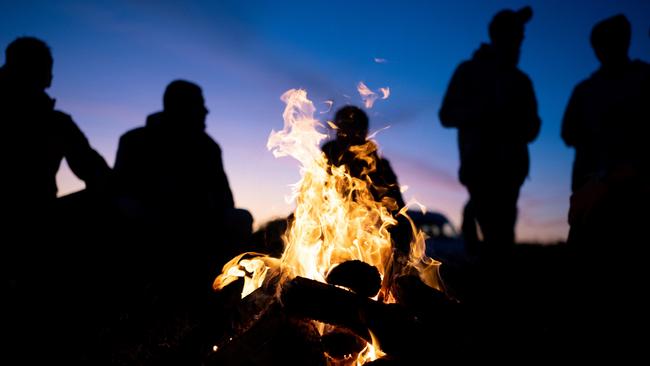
336, 218
368, 96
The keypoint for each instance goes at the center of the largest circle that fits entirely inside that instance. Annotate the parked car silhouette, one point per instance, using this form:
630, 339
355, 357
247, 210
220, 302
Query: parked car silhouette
443, 240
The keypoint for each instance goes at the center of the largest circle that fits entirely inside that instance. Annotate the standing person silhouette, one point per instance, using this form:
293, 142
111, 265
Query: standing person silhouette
492, 104
35, 139
606, 121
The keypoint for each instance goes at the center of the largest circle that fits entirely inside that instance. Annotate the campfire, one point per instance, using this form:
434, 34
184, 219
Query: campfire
342, 291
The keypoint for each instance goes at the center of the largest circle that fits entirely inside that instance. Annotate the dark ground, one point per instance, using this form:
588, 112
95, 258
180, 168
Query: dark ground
112, 298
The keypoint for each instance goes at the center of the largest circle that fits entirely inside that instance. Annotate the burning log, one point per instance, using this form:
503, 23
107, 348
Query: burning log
340, 342
394, 327
311, 299
356, 275
419, 298
337, 218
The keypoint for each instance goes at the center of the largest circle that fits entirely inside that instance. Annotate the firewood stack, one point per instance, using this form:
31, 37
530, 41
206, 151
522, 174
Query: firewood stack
420, 325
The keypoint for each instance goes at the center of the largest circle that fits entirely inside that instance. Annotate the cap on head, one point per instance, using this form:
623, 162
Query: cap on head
610, 38
508, 24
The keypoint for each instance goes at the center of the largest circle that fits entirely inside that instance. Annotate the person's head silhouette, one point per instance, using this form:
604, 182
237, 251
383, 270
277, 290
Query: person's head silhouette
506, 31
183, 101
351, 125
610, 39
29, 61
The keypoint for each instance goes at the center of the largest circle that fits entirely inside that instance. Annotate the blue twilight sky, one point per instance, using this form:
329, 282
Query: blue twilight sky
113, 60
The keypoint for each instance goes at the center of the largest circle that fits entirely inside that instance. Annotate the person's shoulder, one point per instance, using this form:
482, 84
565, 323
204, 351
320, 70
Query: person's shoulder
63, 121
205, 142
641, 68
331, 148
134, 134
467, 66
62, 117
329, 145
523, 76
584, 85
385, 162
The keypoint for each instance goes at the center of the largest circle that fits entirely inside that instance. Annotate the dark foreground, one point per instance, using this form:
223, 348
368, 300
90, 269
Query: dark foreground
110, 298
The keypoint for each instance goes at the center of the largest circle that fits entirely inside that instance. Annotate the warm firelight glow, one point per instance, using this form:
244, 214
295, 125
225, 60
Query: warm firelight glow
336, 218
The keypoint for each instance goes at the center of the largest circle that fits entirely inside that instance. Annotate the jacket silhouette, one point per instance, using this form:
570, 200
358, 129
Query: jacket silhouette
606, 121
37, 237
607, 115
492, 104
36, 136
171, 168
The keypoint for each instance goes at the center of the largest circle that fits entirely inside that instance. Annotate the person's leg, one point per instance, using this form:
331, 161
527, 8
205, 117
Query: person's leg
469, 229
495, 207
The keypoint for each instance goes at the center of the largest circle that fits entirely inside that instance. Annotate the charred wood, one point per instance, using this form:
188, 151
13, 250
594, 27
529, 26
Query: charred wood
273, 339
358, 276
397, 330
340, 342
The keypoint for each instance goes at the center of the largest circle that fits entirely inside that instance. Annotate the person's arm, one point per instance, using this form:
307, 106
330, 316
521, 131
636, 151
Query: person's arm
532, 122
86, 163
223, 195
127, 166
457, 105
571, 120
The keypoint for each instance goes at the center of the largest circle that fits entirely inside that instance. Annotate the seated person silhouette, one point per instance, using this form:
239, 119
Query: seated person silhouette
36, 137
171, 180
351, 137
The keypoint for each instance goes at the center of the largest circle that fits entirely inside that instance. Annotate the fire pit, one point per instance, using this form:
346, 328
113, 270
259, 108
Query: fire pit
342, 293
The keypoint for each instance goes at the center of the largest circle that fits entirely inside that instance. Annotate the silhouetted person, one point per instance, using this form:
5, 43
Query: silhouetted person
171, 166
492, 104
35, 139
352, 149
180, 211
171, 179
606, 121
37, 136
